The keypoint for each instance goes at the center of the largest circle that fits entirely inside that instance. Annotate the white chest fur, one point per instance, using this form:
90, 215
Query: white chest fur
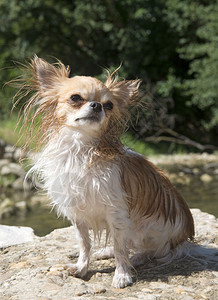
74, 184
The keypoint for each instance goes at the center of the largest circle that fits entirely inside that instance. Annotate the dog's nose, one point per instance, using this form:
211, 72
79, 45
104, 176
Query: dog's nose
96, 106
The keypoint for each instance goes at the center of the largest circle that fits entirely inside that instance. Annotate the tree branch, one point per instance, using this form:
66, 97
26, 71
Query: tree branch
179, 139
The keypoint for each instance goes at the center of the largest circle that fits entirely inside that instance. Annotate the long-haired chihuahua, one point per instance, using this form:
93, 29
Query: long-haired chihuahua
92, 179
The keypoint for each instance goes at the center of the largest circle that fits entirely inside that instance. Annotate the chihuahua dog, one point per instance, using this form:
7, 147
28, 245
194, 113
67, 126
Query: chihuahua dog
94, 180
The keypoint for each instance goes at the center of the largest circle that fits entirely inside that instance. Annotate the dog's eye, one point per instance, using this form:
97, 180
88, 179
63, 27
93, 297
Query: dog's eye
108, 105
76, 98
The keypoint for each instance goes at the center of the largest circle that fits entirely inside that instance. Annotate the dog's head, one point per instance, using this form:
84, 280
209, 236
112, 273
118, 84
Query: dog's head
80, 103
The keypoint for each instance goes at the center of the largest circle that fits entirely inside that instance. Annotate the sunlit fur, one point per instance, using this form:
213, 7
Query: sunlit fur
95, 181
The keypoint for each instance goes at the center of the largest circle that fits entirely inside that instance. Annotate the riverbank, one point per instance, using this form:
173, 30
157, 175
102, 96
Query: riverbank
35, 270
197, 159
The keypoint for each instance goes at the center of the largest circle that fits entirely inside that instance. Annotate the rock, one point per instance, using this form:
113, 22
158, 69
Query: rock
7, 212
196, 171
21, 184
206, 178
13, 235
184, 159
19, 265
18, 154
13, 168
99, 289
38, 200
9, 151
21, 205
7, 208
180, 178
2, 148
37, 270
18, 184
4, 162
6, 203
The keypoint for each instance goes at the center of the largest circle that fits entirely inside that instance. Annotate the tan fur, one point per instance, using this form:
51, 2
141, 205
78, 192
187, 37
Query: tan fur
43, 111
150, 193
40, 120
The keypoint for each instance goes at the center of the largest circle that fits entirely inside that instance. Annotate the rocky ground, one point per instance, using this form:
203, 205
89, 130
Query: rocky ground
35, 270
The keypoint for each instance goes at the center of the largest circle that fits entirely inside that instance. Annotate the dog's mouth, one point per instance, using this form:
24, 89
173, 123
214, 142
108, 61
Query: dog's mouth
89, 118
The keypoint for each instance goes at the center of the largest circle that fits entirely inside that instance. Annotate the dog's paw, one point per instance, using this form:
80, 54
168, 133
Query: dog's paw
122, 280
77, 270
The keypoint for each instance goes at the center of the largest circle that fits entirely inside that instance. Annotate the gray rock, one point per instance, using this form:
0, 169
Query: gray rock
7, 207
12, 168
9, 152
18, 184
37, 270
4, 162
6, 202
206, 178
21, 205
13, 235
2, 148
18, 154
9, 148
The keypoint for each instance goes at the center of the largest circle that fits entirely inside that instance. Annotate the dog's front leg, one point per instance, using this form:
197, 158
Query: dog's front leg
122, 276
81, 267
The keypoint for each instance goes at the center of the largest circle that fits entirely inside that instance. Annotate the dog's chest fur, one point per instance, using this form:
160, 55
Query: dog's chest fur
75, 184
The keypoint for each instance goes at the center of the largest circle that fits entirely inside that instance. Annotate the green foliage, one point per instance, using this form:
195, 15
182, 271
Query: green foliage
10, 131
139, 146
170, 44
195, 23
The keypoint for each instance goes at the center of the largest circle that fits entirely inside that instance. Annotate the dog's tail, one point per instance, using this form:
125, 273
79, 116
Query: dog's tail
202, 253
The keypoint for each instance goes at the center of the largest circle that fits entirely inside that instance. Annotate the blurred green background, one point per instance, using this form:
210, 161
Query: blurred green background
172, 45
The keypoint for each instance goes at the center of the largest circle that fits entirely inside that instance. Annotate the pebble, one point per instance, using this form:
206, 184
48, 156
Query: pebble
159, 285
81, 293
19, 265
21, 205
53, 273
206, 178
6, 203
98, 289
195, 171
19, 183
57, 268
4, 162
12, 168
147, 290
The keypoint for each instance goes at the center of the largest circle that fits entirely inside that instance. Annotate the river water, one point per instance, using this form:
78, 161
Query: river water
198, 194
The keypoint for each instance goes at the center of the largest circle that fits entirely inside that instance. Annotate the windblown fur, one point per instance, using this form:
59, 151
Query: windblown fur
92, 178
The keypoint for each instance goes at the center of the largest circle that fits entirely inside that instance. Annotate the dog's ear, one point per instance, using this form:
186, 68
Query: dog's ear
46, 76
125, 92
